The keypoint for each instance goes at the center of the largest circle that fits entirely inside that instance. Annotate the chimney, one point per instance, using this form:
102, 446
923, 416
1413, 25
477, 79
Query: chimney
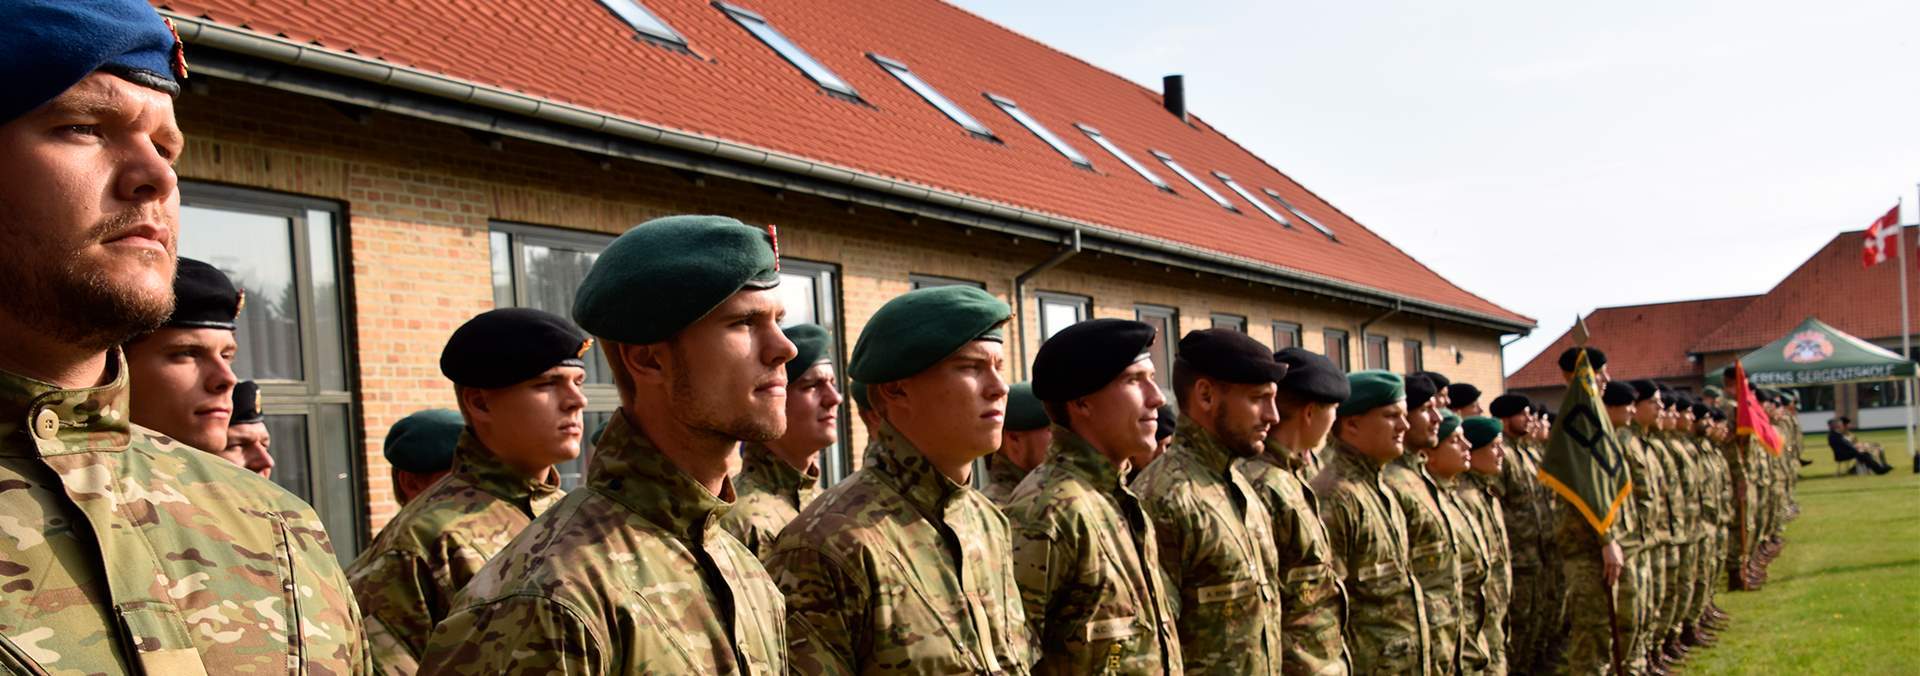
1173, 94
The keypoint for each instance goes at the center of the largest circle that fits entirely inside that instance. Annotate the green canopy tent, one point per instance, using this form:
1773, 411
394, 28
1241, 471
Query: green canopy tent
1817, 354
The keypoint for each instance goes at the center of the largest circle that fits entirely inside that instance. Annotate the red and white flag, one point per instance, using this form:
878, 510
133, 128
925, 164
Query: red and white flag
1877, 248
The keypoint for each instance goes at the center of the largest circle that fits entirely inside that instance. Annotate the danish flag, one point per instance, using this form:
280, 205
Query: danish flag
1876, 249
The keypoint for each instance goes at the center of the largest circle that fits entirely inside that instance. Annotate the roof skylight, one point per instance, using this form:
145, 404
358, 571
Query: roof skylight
1013, 110
637, 16
1141, 169
933, 96
1255, 201
758, 26
1195, 180
1297, 212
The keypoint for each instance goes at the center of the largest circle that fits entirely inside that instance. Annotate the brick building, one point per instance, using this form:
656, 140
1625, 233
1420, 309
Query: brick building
375, 173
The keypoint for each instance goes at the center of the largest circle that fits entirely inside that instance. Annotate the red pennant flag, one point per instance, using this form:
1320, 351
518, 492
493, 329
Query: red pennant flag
1750, 418
1875, 249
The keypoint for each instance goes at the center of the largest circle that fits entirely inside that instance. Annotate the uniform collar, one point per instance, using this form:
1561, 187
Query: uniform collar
1202, 446
53, 421
479, 466
1344, 454
1286, 458
1076, 455
762, 466
922, 484
1002, 470
630, 469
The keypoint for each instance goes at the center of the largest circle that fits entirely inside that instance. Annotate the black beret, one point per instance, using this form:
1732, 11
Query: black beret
1081, 359
1024, 412
1617, 394
1717, 414
1313, 377
1420, 390
812, 345
667, 273
1229, 356
503, 347
1595, 358
1700, 410
1643, 389
1440, 382
246, 404
1462, 395
919, 328
1509, 404
1169, 421
204, 297
423, 442
52, 45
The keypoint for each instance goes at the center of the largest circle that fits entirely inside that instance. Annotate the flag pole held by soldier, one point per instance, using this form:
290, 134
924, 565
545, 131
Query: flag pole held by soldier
1583, 464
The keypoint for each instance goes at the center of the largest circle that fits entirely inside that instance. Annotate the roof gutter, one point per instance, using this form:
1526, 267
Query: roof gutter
1020, 297
204, 33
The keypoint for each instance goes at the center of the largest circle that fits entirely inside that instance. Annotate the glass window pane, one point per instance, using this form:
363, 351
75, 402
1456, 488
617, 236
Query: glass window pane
1336, 348
1125, 158
790, 51
1058, 314
1195, 180
288, 434
642, 20
339, 500
573, 473
1234, 322
1013, 110
799, 293
933, 96
1377, 352
1317, 225
1248, 196
500, 247
256, 250
1285, 335
329, 315
553, 273
1162, 347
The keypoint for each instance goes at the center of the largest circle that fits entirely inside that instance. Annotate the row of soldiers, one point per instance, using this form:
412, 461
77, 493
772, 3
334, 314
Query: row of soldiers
1295, 518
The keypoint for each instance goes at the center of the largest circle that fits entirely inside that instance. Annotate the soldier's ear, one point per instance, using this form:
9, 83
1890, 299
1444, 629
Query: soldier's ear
644, 363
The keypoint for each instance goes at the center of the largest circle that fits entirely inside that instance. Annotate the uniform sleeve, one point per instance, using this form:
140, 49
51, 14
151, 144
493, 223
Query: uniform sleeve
826, 611
1042, 562
1170, 535
1337, 515
516, 635
392, 589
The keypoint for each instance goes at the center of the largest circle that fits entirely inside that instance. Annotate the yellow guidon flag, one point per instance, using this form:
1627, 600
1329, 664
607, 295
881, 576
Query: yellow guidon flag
1583, 461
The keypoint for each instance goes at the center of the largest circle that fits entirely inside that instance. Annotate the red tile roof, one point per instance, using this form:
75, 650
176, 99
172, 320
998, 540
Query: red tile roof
733, 87
1833, 286
1641, 341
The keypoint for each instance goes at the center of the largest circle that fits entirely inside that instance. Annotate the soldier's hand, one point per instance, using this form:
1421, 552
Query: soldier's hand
1611, 560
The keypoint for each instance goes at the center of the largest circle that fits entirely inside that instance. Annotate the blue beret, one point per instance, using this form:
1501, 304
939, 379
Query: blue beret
423, 442
1024, 412
667, 273
204, 297
503, 347
52, 45
1372, 389
1081, 359
1312, 377
813, 345
1481, 430
246, 404
919, 328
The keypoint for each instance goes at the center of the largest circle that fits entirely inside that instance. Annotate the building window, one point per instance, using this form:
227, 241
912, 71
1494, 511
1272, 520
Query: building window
1166, 326
810, 292
1227, 321
644, 21
1195, 180
758, 26
1377, 353
1285, 335
1336, 348
1059, 311
1317, 225
1101, 140
1248, 196
929, 281
933, 96
284, 252
1013, 110
1416, 356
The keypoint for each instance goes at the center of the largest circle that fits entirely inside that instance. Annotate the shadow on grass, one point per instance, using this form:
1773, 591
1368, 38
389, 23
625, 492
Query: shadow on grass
1843, 570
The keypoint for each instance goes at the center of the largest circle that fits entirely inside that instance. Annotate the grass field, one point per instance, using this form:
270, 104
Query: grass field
1844, 597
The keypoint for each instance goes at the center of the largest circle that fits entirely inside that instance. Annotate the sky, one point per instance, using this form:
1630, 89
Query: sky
1551, 157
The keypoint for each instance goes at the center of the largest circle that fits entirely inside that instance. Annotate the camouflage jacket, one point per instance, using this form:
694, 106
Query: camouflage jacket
629, 574
1386, 628
1002, 477
1485, 603
1524, 500
1707, 470
1088, 568
1471, 560
123, 551
1216, 545
437, 543
1685, 488
771, 492
1312, 599
900, 568
1434, 539
1650, 491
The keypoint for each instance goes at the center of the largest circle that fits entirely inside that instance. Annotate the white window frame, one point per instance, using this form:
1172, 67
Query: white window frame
787, 49
933, 97
1195, 181
1113, 149
1046, 135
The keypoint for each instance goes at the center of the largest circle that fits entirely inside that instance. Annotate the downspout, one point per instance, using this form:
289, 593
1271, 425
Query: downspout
1020, 295
1370, 322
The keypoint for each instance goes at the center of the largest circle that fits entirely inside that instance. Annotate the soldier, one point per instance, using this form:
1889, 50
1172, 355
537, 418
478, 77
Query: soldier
903, 566
1215, 537
125, 551
248, 441
181, 374
1386, 626
1529, 523
870, 421
1023, 444
420, 450
1083, 550
1639, 590
1478, 492
633, 573
1440, 385
1712, 516
1590, 565
1446, 463
781, 476
1312, 600
1433, 546
1688, 533
517, 374
1464, 400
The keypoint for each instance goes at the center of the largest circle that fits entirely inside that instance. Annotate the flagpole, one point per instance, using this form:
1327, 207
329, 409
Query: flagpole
1906, 333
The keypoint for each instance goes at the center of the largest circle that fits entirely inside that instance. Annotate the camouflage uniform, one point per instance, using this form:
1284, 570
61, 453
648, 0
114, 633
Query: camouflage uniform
1535, 607
1217, 546
1088, 569
1644, 546
1708, 462
124, 551
1434, 542
1589, 640
1471, 545
1386, 630
629, 574
1312, 600
1481, 502
1002, 477
1685, 511
429, 551
770, 493
900, 568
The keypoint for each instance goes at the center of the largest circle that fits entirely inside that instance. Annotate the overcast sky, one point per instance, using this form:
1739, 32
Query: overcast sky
1552, 157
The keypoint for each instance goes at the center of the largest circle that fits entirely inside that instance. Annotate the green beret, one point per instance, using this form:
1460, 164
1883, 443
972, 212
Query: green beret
919, 328
1449, 422
667, 273
1713, 391
1024, 412
1481, 430
423, 442
1372, 389
814, 345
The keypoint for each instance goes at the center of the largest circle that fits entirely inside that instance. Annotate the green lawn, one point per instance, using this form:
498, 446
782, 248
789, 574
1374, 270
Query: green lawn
1844, 597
